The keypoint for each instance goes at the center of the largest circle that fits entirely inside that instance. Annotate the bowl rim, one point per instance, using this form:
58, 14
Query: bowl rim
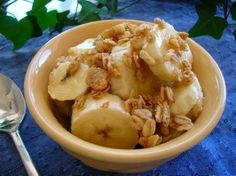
83, 148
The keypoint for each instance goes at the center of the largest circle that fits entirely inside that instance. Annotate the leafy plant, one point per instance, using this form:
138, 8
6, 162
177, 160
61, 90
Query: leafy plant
213, 18
210, 22
39, 18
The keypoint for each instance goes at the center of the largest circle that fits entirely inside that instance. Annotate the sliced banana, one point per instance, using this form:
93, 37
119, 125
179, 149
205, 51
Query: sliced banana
196, 110
159, 50
105, 122
186, 97
150, 83
82, 47
123, 84
129, 80
159, 46
63, 87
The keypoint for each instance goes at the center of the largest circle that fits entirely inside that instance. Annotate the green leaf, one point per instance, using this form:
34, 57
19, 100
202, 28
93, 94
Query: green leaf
112, 6
234, 34
27, 28
233, 11
63, 20
19, 32
8, 27
38, 4
2, 12
91, 17
2, 8
101, 3
51, 18
213, 26
205, 10
39, 19
208, 23
89, 12
2, 2
211, 2
45, 19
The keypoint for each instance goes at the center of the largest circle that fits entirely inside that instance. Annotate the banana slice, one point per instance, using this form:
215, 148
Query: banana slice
82, 47
123, 84
164, 65
159, 46
196, 110
149, 83
128, 80
63, 87
186, 97
104, 122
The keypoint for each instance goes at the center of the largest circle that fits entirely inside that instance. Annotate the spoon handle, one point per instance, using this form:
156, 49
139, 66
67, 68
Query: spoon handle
28, 163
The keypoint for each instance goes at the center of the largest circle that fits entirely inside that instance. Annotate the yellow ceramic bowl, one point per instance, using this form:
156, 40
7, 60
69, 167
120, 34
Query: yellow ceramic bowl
119, 160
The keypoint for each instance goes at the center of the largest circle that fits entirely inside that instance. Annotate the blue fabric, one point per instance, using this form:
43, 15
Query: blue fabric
215, 155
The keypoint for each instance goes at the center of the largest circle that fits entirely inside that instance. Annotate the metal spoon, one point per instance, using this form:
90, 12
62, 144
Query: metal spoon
12, 112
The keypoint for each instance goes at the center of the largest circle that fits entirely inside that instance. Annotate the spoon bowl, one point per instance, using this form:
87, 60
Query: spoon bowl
12, 105
12, 112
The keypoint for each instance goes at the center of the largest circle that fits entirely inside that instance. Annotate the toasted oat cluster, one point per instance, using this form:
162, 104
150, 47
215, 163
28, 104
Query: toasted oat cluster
140, 73
152, 118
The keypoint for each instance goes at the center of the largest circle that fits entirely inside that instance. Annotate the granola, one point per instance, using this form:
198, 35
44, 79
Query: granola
166, 94
143, 113
183, 35
100, 93
149, 106
181, 123
97, 79
137, 122
104, 45
79, 102
159, 22
146, 57
105, 105
74, 66
149, 128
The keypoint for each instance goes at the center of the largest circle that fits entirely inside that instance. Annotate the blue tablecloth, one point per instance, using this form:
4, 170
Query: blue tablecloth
215, 155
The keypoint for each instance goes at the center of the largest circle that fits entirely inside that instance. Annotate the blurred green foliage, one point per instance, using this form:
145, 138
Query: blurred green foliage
210, 22
39, 18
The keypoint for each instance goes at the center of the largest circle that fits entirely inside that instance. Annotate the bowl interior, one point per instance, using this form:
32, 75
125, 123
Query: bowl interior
40, 105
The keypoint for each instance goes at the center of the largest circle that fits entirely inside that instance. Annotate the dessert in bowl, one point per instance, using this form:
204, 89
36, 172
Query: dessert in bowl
102, 94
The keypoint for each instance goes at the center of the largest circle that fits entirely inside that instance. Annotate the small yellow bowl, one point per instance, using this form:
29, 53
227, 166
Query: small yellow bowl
109, 159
